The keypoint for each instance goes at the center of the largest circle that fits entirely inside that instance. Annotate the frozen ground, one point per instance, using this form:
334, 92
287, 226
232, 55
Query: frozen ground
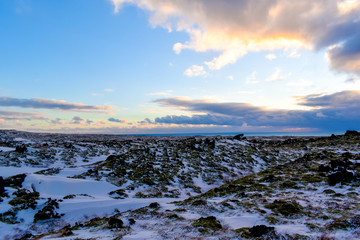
57, 186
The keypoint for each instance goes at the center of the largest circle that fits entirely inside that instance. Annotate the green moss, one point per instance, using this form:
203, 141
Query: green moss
272, 220
288, 185
50, 171
285, 208
174, 216
243, 232
25, 199
329, 191
207, 224
118, 194
199, 202
337, 224
48, 211
352, 194
312, 178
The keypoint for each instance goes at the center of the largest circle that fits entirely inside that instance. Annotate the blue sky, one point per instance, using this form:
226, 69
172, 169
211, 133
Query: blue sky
161, 66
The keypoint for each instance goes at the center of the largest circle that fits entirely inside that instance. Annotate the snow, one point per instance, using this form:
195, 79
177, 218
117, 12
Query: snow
11, 171
140, 235
58, 186
6, 149
90, 196
246, 220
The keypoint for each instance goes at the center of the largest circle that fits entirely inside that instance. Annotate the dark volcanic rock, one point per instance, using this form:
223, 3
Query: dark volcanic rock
340, 177
260, 230
115, 223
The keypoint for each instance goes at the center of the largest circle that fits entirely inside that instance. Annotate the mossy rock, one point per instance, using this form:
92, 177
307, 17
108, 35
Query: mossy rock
118, 194
199, 202
9, 217
15, 181
50, 171
179, 210
285, 208
312, 178
48, 211
329, 191
257, 232
154, 205
2, 187
25, 199
174, 217
342, 177
207, 224
352, 194
71, 196
272, 220
337, 224
288, 185
114, 222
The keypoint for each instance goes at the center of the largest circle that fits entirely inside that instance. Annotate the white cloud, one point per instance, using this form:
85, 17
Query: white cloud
234, 28
226, 58
252, 78
231, 77
292, 53
164, 93
108, 90
195, 71
271, 56
277, 76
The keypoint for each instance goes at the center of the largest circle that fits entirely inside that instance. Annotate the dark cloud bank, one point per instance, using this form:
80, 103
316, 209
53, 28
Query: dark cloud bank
333, 112
48, 104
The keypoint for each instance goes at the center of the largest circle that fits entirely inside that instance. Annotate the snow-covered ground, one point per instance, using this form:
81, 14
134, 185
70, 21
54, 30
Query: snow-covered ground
166, 187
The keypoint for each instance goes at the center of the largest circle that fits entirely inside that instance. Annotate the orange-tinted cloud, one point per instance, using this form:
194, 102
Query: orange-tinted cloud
236, 27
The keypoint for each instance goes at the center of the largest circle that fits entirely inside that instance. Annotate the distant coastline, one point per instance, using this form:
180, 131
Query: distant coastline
265, 134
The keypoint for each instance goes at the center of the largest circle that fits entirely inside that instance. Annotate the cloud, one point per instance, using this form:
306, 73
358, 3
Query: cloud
49, 104
277, 76
57, 121
346, 57
164, 93
270, 56
100, 123
14, 115
195, 71
252, 78
108, 90
292, 53
340, 100
146, 121
77, 120
235, 27
330, 112
116, 120
231, 78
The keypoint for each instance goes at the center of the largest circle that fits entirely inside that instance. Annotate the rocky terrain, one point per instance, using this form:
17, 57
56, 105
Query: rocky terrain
56, 186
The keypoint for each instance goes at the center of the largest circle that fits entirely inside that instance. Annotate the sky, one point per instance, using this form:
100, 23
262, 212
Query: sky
179, 66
